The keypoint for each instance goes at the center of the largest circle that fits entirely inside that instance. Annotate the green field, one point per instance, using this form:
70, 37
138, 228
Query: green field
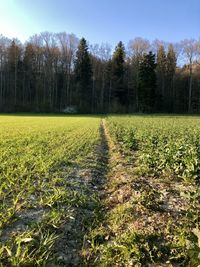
99, 191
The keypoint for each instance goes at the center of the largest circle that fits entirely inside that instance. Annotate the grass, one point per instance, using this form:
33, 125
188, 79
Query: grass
38, 156
122, 191
153, 193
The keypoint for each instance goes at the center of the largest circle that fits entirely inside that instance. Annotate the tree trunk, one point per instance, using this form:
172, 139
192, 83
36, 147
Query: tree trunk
102, 91
190, 91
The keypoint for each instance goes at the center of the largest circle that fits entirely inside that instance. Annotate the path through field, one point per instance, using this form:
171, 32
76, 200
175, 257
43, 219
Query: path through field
87, 191
90, 181
144, 217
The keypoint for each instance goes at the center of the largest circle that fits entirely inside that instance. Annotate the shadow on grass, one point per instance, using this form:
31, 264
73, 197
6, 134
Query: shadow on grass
87, 208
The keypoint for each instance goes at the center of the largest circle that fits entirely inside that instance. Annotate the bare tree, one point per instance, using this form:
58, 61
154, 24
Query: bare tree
105, 56
49, 45
198, 52
100, 57
4, 44
190, 51
156, 44
137, 48
68, 44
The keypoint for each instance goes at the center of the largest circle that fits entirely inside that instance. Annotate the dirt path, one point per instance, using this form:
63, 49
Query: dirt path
151, 209
165, 193
120, 176
89, 182
123, 204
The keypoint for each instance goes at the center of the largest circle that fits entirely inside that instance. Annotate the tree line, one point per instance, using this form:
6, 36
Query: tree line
60, 73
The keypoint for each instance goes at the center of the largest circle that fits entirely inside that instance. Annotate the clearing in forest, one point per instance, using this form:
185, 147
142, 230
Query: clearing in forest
92, 191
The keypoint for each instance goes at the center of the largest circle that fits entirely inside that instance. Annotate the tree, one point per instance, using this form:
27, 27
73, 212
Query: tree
161, 78
137, 48
108, 84
118, 70
4, 44
170, 73
68, 44
100, 55
83, 76
147, 83
29, 63
49, 54
48, 73
190, 50
13, 62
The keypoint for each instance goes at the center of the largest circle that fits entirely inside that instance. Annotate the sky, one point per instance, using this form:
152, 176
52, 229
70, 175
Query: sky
102, 20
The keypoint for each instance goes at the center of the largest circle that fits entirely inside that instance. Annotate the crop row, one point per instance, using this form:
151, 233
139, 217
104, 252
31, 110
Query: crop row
37, 155
166, 146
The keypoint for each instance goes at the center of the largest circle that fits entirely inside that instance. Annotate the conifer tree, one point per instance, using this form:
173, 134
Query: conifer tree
29, 64
13, 63
147, 83
83, 76
118, 71
161, 77
171, 69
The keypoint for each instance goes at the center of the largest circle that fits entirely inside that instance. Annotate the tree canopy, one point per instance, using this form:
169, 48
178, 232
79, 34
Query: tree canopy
58, 72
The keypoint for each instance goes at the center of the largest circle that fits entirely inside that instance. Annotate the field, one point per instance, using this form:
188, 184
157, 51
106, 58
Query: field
99, 191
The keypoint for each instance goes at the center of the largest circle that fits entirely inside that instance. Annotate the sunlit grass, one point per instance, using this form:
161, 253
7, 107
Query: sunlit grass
37, 154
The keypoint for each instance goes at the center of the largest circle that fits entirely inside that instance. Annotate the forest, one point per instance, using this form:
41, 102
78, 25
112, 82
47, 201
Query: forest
58, 72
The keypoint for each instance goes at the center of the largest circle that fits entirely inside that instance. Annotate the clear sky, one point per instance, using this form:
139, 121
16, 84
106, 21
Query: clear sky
102, 20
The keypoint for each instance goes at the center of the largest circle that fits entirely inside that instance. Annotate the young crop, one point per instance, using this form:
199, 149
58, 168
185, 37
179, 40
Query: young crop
119, 192
38, 154
167, 145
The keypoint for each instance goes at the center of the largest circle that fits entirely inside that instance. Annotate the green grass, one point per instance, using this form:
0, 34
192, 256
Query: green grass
37, 155
133, 203
164, 152
167, 145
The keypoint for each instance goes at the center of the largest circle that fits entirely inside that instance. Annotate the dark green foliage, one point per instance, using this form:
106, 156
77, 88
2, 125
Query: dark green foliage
118, 71
118, 62
171, 69
83, 76
147, 83
161, 78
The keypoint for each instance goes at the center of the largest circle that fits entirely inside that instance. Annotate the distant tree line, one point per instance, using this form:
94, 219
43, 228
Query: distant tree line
60, 73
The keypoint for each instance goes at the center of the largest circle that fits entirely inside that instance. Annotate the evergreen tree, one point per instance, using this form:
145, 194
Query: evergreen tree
147, 83
118, 71
171, 69
29, 63
13, 63
108, 85
83, 76
161, 78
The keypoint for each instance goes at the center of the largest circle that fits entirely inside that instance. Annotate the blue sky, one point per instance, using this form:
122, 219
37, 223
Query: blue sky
102, 20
